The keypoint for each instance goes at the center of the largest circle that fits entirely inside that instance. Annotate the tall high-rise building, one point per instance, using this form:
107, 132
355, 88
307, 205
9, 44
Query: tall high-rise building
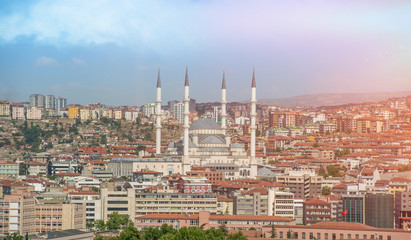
179, 111
193, 105
60, 103
50, 101
171, 105
37, 100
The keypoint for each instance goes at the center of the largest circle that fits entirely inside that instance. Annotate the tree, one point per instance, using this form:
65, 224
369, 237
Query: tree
100, 225
141, 148
273, 232
130, 233
103, 139
223, 228
95, 189
13, 236
237, 236
333, 171
117, 221
326, 190
322, 172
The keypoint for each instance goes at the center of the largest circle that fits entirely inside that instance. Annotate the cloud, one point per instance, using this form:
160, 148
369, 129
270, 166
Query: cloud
79, 62
46, 61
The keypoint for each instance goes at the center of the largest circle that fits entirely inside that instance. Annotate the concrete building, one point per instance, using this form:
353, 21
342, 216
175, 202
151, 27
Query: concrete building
37, 100
316, 210
54, 217
34, 113
302, 185
17, 213
225, 205
178, 110
402, 210
18, 112
379, 210
50, 102
10, 169
84, 113
60, 104
123, 202
354, 205
91, 201
5, 109
168, 203
73, 112
35, 168
337, 230
149, 109
207, 220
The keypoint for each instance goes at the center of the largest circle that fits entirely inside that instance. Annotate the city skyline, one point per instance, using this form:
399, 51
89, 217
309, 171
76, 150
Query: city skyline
109, 52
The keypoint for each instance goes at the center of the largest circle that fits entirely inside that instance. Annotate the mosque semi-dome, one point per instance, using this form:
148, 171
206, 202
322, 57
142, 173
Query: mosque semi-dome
205, 123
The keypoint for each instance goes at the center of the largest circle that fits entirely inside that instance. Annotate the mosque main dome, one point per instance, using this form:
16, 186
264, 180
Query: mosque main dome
205, 123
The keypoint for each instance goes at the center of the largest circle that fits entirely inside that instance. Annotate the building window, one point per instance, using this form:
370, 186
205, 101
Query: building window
364, 236
341, 236
303, 235
326, 236
318, 235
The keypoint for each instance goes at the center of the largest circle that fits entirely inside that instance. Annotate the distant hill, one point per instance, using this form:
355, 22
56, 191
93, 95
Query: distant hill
331, 99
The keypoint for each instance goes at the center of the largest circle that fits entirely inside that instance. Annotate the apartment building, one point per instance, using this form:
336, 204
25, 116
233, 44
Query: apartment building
303, 186
73, 112
316, 210
10, 169
5, 109
146, 203
402, 210
91, 201
268, 202
123, 202
17, 213
225, 205
84, 113
36, 168
18, 112
55, 217
34, 113
208, 220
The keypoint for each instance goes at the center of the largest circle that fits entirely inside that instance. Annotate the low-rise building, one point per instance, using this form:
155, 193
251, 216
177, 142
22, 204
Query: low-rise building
208, 220
316, 210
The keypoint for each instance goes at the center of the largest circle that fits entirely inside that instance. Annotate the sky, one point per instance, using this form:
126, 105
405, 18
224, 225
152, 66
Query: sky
110, 51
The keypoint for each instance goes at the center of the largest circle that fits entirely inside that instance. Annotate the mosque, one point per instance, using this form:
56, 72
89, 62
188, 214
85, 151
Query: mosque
205, 142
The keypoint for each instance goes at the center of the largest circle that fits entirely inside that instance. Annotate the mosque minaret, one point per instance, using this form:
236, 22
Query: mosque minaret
158, 116
223, 106
186, 124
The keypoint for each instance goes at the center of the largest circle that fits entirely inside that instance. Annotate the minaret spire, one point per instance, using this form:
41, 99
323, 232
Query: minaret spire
186, 126
253, 127
186, 81
158, 115
223, 105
